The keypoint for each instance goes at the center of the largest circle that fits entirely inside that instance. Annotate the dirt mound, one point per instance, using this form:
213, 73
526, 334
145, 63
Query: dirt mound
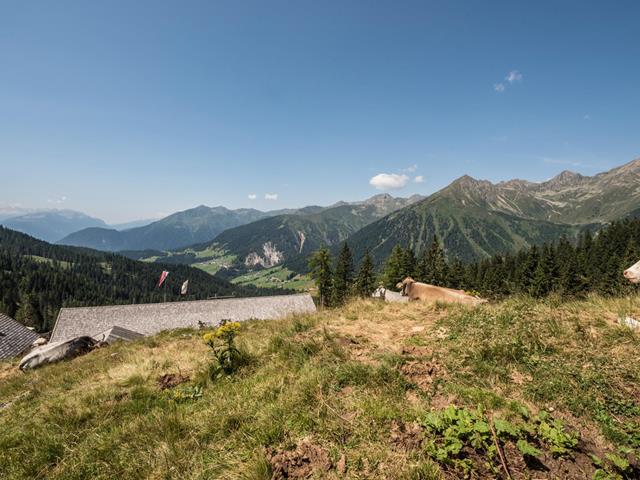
302, 462
171, 380
406, 436
422, 373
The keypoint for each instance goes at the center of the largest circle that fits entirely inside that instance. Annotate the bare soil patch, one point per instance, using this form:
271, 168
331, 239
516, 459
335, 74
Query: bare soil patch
171, 380
406, 436
307, 458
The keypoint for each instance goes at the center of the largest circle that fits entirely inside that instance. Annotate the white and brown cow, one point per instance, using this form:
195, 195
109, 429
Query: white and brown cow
633, 273
423, 291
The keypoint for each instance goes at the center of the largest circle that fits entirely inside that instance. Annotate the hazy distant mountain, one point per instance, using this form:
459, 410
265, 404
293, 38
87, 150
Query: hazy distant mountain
51, 225
11, 211
200, 225
132, 224
178, 230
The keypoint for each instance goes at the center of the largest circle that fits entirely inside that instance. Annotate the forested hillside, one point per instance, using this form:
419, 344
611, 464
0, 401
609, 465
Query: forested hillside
594, 263
476, 219
37, 278
271, 241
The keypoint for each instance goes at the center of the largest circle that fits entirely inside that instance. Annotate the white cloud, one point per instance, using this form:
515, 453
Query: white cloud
389, 181
411, 169
57, 201
252, 196
419, 179
514, 76
270, 196
499, 87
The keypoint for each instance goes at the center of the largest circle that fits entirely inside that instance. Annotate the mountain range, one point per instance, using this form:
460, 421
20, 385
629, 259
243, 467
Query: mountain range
476, 218
473, 219
50, 225
202, 224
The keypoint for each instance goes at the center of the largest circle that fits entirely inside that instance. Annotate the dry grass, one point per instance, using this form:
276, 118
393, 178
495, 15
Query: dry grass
340, 377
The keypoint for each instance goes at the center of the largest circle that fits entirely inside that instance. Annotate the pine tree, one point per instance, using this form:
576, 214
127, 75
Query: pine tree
528, 263
456, 277
394, 268
366, 281
409, 263
320, 265
545, 274
433, 265
28, 313
343, 276
567, 264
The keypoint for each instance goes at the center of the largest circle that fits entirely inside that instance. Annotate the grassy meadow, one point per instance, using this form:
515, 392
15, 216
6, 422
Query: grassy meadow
518, 389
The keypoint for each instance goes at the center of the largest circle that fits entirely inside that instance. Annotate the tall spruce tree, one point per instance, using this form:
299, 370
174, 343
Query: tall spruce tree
320, 265
545, 275
343, 276
567, 264
366, 280
409, 263
456, 277
394, 267
433, 265
526, 270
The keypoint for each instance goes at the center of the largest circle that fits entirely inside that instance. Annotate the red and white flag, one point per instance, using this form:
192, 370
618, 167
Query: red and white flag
163, 277
184, 288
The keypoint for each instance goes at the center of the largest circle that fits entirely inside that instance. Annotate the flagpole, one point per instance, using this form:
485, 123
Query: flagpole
165, 291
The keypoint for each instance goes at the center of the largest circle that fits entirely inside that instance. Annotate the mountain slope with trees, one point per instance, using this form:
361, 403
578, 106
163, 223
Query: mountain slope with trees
476, 219
37, 278
274, 240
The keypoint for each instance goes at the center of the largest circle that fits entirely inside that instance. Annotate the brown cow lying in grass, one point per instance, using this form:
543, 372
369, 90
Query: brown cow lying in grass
423, 291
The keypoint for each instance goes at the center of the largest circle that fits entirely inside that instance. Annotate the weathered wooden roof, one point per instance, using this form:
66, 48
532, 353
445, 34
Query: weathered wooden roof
15, 338
152, 318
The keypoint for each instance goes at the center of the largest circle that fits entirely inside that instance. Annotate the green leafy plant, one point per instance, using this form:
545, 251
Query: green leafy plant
455, 432
454, 428
552, 432
222, 342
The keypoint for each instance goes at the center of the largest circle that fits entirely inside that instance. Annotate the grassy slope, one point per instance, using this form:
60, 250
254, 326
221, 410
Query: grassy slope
339, 377
275, 277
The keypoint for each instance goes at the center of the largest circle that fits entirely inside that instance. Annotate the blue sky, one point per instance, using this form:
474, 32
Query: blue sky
131, 110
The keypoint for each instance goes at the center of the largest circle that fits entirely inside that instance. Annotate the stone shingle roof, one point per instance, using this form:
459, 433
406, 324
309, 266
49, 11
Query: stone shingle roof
15, 338
152, 318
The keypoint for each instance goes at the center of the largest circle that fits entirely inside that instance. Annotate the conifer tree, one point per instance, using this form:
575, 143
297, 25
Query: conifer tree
28, 313
320, 265
456, 277
567, 264
544, 276
366, 281
527, 269
343, 276
433, 265
394, 267
409, 264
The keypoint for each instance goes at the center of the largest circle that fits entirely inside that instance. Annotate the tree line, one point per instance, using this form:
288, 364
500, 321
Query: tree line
591, 264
